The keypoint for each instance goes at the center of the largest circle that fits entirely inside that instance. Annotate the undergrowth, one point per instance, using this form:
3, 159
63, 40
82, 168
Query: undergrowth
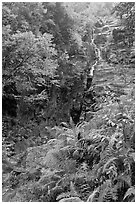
68, 102
93, 161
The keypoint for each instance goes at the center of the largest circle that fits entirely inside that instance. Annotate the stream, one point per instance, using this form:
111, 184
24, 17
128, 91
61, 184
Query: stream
98, 54
87, 98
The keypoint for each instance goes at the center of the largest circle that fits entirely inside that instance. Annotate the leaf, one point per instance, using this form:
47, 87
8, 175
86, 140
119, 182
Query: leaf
8, 196
111, 160
132, 155
104, 189
63, 195
130, 191
71, 199
73, 189
92, 196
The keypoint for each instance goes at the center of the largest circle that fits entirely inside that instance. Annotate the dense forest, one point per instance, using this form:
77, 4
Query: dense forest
68, 102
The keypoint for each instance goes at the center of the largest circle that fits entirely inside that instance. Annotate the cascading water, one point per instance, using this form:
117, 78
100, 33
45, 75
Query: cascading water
75, 112
98, 54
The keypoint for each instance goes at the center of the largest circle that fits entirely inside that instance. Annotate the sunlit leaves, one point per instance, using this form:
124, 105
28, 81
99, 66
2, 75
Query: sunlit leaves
23, 53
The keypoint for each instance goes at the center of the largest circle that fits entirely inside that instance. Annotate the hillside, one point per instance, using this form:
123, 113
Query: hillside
68, 102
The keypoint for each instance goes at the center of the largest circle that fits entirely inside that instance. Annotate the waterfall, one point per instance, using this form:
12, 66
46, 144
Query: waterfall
98, 54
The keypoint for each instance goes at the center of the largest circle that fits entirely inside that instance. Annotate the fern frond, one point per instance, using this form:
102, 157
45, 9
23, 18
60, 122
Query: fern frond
107, 154
104, 193
73, 190
110, 161
130, 191
110, 196
85, 188
103, 189
71, 199
92, 197
63, 195
81, 125
6, 197
124, 178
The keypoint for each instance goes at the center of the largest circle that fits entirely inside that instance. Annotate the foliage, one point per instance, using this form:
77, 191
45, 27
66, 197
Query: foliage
46, 156
126, 11
109, 165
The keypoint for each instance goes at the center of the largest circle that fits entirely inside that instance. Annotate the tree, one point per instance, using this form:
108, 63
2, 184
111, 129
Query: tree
126, 12
29, 60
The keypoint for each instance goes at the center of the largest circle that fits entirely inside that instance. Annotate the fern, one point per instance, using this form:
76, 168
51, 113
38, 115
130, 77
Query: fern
110, 196
122, 179
109, 163
130, 193
92, 197
103, 193
73, 189
63, 195
71, 199
7, 196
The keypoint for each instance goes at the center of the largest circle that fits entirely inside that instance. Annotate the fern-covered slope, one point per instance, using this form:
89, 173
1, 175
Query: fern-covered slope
93, 160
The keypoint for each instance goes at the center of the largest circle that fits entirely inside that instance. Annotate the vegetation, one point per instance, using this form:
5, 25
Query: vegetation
68, 102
